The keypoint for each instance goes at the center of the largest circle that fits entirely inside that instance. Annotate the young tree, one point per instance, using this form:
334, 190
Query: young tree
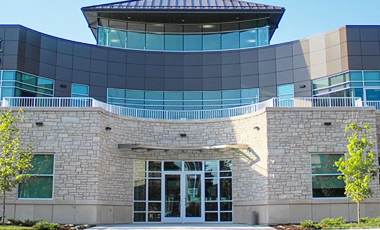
14, 158
358, 164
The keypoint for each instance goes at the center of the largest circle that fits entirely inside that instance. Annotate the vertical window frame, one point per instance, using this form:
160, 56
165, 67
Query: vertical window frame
324, 174
41, 175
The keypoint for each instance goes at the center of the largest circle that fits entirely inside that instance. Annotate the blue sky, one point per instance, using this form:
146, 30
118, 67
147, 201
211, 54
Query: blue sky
303, 18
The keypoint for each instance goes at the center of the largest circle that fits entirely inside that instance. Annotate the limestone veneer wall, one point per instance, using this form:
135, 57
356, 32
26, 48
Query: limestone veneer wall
93, 180
293, 136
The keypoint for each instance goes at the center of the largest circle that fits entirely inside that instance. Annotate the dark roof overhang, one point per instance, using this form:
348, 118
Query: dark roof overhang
171, 11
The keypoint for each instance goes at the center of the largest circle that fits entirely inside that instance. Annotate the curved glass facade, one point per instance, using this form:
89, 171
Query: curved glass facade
182, 100
183, 41
364, 84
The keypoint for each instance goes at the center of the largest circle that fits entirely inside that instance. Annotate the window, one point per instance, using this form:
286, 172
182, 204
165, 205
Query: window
193, 42
40, 184
285, 91
230, 40
263, 36
349, 84
285, 94
154, 41
248, 38
212, 99
79, 90
173, 42
117, 38
183, 37
147, 191
136, 40
211, 42
231, 98
173, 100
325, 176
249, 96
19, 84
102, 36
218, 191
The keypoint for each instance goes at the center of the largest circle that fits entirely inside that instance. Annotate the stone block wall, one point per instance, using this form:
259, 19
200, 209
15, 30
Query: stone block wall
293, 136
93, 180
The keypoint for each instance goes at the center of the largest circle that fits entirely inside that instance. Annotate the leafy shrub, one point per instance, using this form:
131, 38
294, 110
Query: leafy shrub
44, 225
25, 223
309, 224
15, 222
332, 222
29, 223
372, 222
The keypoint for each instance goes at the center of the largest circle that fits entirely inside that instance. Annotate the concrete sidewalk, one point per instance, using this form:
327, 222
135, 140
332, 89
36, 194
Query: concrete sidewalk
159, 226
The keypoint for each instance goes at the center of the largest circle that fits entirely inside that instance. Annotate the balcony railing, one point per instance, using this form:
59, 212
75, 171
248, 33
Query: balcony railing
76, 102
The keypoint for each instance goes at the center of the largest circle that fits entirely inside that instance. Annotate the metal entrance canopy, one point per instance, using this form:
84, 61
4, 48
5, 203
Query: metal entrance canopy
211, 147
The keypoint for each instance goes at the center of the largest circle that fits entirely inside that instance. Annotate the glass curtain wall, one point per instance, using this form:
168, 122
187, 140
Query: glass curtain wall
182, 37
19, 84
364, 84
182, 100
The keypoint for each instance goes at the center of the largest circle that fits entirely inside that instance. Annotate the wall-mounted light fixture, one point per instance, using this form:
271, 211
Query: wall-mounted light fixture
183, 135
302, 86
108, 128
327, 123
39, 123
256, 128
64, 86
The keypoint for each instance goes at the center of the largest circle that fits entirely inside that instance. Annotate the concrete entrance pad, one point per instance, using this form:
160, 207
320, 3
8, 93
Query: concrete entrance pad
181, 227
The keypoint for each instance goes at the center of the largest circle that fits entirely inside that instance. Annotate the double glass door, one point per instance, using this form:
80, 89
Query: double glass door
183, 197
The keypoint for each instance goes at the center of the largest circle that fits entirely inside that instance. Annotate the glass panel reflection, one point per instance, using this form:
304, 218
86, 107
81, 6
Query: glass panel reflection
184, 37
173, 42
211, 42
193, 165
248, 38
225, 189
230, 40
193, 195
211, 189
172, 196
173, 166
154, 42
211, 216
193, 42
136, 40
154, 191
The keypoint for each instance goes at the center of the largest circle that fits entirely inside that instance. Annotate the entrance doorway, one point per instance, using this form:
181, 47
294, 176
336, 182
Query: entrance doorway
183, 199
183, 191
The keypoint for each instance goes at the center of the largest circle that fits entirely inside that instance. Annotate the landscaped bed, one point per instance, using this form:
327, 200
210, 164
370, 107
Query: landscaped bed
332, 223
13, 224
10, 227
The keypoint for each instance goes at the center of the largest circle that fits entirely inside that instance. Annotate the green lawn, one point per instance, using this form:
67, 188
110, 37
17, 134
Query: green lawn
8, 227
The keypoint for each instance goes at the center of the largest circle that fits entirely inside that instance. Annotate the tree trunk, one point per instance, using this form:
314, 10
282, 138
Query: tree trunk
358, 211
3, 218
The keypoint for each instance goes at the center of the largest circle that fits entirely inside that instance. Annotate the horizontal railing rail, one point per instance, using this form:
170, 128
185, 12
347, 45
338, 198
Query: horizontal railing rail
85, 102
373, 104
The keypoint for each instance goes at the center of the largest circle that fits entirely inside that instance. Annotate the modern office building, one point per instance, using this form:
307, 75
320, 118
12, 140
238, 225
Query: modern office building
184, 112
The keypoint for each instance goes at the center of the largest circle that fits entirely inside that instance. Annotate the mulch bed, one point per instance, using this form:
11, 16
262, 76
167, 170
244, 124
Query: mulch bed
287, 227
